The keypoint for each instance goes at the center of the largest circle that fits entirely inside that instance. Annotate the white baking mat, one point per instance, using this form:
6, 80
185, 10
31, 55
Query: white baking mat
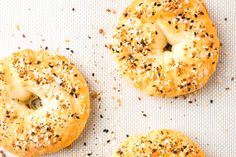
120, 108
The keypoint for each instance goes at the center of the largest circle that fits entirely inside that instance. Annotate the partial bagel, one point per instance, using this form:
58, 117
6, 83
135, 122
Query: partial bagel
44, 103
166, 47
162, 143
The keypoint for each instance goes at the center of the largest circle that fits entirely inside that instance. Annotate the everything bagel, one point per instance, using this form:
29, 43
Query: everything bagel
44, 103
162, 143
166, 47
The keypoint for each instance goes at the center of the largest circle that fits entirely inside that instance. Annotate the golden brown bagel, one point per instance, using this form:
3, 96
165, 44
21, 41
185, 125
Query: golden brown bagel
28, 127
166, 47
162, 143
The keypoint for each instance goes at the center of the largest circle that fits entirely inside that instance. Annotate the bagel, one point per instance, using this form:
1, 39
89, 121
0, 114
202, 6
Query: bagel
166, 47
44, 103
162, 143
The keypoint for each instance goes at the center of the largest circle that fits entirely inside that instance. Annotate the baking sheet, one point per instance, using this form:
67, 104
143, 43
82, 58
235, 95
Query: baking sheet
117, 106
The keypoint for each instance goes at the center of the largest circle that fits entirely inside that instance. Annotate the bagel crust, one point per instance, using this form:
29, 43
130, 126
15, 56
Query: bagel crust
28, 130
166, 47
162, 143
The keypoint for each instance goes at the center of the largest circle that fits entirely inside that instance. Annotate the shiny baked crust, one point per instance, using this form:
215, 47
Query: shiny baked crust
166, 47
58, 120
162, 143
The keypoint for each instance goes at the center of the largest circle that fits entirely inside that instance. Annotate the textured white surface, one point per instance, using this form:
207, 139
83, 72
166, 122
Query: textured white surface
48, 23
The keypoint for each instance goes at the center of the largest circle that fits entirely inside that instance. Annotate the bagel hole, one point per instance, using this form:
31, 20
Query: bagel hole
168, 47
34, 102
